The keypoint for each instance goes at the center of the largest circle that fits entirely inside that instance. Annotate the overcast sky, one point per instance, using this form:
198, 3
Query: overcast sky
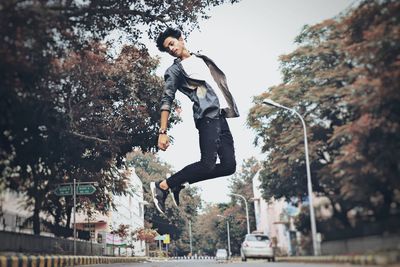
245, 40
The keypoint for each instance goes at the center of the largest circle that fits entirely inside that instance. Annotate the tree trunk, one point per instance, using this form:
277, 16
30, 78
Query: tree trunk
382, 212
35, 217
69, 214
38, 204
342, 217
341, 214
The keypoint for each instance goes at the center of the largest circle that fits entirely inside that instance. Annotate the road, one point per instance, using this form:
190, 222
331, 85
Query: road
213, 263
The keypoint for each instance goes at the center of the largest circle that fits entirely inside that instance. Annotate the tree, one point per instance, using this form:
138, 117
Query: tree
343, 79
55, 77
149, 168
92, 133
122, 231
210, 230
204, 230
237, 228
145, 234
242, 183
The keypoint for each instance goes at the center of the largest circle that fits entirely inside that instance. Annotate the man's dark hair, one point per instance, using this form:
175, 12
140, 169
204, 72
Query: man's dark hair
169, 32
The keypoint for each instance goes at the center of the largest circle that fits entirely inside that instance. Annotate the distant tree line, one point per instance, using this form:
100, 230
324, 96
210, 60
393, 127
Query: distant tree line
210, 230
176, 220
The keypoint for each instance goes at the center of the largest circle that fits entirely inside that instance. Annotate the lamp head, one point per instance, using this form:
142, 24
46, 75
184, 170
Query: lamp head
271, 103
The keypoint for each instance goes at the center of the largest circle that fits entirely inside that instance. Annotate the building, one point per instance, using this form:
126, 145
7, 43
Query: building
129, 212
13, 213
275, 220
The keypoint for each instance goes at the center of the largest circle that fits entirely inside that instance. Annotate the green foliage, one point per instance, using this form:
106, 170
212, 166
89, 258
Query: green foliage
242, 183
343, 79
149, 168
88, 119
210, 231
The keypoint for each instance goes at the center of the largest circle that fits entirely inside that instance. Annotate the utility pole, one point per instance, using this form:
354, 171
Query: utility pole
227, 233
247, 210
74, 193
308, 171
73, 189
190, 237
229, 239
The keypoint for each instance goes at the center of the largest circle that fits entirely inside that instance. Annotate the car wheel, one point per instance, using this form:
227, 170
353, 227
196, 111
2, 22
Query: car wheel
243, 256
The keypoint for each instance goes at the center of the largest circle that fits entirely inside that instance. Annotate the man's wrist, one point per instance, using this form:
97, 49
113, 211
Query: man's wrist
162, 131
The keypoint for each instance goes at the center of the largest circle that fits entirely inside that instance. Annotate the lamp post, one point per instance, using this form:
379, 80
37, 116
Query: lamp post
309, 184
229, 237
247, 210
142, 203
190, 238
74, 196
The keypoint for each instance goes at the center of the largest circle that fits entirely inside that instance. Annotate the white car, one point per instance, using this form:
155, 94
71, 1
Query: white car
257, 246
221, 255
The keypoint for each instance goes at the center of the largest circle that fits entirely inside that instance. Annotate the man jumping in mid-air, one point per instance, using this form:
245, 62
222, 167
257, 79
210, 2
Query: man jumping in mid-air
198, 77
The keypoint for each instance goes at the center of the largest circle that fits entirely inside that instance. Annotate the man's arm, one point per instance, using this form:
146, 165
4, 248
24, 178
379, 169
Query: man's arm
170, 88
163, 139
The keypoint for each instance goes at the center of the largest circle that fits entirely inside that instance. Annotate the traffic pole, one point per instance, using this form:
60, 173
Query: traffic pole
74, 216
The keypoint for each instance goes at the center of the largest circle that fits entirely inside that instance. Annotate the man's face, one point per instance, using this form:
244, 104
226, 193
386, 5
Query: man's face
174, 47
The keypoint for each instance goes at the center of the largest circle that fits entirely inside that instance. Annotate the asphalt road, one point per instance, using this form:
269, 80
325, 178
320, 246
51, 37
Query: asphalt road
213, 263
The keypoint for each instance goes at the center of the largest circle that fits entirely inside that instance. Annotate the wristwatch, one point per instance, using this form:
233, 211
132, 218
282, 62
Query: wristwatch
162, 131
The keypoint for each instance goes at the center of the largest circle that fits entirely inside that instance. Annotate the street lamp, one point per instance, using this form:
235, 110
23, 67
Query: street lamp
229, 237
190, 238
309, 185
247, 210
141, 206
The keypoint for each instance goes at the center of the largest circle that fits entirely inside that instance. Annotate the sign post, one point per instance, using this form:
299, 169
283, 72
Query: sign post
166, 241
80, 188
85, 189
74, 217
75, 188
63, 190
160, 238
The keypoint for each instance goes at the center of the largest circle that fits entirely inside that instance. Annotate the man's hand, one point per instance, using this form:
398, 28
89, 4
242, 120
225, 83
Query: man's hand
163, 142
163, 139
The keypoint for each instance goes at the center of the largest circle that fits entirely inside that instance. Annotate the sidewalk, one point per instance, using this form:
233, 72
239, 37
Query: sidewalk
391, 258
61, 261
380, 259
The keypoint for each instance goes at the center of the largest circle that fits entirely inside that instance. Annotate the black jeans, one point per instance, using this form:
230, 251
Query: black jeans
215, 139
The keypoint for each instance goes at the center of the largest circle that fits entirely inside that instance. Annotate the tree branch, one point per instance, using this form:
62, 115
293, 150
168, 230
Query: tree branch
145, 15
90, 137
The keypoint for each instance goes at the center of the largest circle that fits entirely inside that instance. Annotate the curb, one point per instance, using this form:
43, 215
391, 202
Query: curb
62, 261
376, 259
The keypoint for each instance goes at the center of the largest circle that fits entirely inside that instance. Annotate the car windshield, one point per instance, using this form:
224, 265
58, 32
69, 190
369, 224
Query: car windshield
257, 238
221, 252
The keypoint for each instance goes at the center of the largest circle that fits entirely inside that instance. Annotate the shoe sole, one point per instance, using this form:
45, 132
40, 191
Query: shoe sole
173, 198
153, 194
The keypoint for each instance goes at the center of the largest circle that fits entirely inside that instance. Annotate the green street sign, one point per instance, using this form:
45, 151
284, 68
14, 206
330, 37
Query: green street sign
63, 190
159, 237
85, 189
